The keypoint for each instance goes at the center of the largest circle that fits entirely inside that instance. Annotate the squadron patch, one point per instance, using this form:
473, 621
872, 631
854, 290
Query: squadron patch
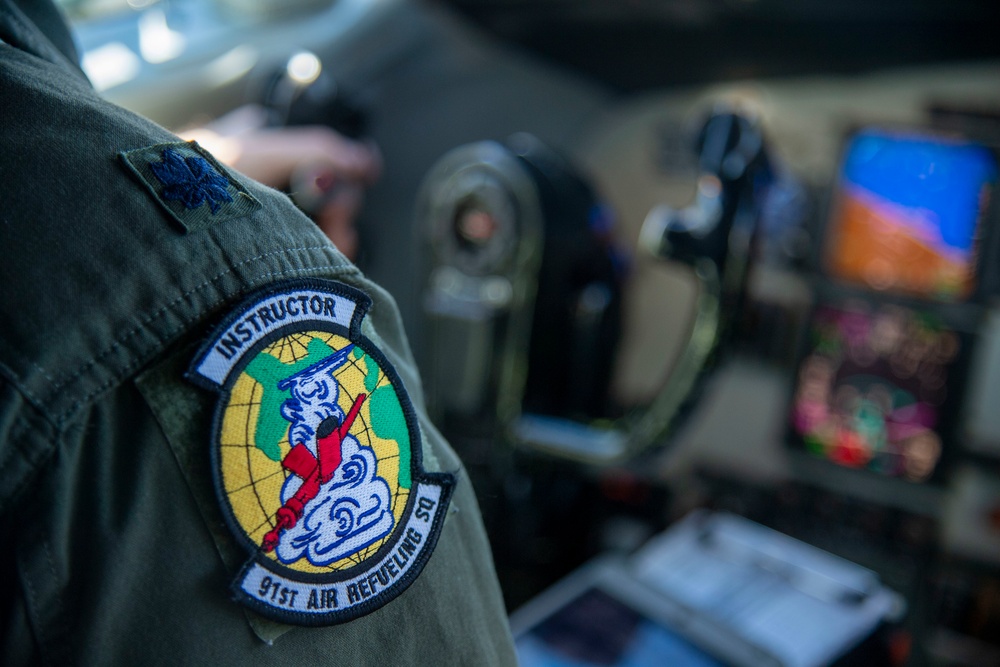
316, 456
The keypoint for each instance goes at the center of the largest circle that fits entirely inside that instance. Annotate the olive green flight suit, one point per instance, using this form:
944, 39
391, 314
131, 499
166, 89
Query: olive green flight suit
113, 550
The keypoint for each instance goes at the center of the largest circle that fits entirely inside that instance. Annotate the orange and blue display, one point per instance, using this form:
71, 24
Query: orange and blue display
907, 214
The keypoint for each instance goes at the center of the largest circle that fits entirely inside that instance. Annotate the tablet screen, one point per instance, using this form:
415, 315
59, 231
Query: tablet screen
596, 630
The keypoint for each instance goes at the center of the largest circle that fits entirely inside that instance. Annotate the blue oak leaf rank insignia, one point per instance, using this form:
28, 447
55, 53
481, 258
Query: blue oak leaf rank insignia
190, 180
182, 178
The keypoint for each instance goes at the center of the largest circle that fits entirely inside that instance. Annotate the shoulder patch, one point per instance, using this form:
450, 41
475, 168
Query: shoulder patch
316, 456
193, 188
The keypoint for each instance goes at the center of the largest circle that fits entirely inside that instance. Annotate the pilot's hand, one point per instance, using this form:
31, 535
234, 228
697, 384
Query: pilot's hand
325, 172
336, 218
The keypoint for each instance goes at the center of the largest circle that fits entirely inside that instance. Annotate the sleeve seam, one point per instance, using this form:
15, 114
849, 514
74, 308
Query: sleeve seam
28, 418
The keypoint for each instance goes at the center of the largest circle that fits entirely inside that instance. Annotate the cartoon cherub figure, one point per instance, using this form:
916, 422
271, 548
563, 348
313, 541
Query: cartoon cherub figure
334, 503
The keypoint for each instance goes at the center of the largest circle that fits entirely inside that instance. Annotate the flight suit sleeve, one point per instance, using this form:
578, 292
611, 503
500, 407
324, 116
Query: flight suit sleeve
172, 331
454, 605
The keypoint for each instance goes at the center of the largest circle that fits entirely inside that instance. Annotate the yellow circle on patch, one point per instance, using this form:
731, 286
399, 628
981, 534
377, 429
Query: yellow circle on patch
277, 403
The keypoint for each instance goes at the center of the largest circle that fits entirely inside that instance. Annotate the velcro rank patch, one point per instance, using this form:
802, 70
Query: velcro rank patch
316, 456
190, 185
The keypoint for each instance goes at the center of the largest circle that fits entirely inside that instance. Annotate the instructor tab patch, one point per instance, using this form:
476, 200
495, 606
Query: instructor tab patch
316, 456
190, 185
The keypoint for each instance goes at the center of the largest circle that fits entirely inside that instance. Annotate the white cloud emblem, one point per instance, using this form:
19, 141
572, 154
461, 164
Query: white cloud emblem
352, 509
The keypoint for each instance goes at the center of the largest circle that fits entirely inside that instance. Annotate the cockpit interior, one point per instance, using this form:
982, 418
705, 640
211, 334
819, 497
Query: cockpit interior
707, 283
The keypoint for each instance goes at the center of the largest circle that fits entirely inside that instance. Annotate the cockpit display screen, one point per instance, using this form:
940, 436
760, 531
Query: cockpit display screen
877, 388
907, 212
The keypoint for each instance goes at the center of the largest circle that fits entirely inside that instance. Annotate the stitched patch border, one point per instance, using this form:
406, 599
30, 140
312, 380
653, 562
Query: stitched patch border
189, 184
357, 516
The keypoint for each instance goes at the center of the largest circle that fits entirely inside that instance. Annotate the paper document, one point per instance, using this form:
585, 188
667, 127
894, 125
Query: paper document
805, 606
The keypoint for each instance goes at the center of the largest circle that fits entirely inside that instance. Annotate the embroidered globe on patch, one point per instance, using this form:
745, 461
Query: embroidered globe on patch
317, 456
354, 483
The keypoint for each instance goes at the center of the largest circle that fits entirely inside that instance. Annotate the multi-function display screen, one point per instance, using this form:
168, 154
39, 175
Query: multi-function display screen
906, 214
876, 387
